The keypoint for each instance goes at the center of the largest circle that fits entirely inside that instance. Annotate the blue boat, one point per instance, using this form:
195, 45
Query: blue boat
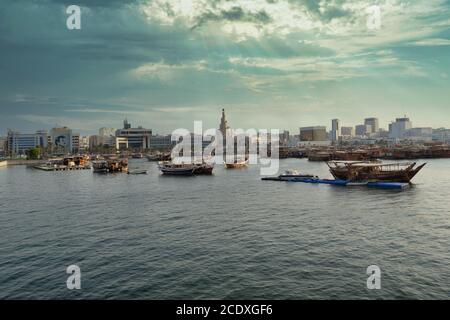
388, 185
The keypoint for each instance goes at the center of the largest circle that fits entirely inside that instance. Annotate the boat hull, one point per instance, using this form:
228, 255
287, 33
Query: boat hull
368, 174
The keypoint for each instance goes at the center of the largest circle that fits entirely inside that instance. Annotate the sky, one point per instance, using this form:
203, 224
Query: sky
270, 63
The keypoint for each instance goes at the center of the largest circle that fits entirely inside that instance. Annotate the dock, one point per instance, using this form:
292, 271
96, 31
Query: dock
61, 168
346, 183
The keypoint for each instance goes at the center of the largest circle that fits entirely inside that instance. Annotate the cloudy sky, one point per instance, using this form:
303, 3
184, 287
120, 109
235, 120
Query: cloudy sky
269, 63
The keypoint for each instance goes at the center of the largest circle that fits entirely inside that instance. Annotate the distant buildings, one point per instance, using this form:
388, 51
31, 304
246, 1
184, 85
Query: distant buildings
284, 138
347, 132
19, 143
161, 142
316, 133
107, 132
106, 138
420, 134
135, 138
2, 146
441, 134
372, 124
398, 129
335, 130
363, 130
63, 140
223, 127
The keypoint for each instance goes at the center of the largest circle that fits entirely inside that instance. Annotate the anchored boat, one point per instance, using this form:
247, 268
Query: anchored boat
171, 168
110, 165
291, 175
236, 164
371, 171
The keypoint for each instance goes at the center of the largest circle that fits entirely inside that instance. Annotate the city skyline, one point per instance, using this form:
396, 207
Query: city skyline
328, 126
271, 64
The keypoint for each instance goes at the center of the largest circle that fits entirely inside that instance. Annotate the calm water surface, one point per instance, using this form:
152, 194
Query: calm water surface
226, 236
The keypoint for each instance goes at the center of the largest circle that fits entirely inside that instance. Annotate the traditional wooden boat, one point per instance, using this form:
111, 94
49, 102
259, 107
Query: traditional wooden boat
100, 166
171, 168
203, 168
159, 157
110, 165
374, 171
236, 164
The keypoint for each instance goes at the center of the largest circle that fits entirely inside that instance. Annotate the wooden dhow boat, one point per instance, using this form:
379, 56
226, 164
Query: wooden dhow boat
374, 171
238, 163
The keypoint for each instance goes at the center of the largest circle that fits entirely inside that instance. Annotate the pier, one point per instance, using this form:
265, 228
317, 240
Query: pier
61, 168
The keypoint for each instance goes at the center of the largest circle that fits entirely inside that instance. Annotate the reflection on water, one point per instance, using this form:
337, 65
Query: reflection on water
229, 235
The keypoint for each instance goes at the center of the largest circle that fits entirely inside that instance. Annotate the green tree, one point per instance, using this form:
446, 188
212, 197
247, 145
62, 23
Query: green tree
33, 153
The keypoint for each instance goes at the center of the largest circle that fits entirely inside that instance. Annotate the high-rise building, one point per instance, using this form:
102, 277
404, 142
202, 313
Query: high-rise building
284, 138
335, 130
373, 123
315, 133
399, 128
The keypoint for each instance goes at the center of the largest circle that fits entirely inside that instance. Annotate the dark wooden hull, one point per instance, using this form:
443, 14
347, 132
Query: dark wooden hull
405, 175
204, 170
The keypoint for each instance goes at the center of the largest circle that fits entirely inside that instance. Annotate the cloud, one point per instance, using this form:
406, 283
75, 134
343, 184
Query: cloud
432, 42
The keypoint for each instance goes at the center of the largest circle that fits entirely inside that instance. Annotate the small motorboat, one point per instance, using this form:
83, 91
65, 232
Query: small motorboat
291, 175
138, 171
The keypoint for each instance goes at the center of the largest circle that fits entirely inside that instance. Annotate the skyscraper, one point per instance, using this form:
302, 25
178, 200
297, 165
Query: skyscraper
335, 130
373, 123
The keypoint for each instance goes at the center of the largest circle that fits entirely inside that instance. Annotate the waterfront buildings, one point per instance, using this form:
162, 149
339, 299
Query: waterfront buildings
62, 140
315, 133
18, 143
161, 142
284, 138
335, 130
441, 134
398, 129
420, 134
106, 137
135, 138
2, 146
